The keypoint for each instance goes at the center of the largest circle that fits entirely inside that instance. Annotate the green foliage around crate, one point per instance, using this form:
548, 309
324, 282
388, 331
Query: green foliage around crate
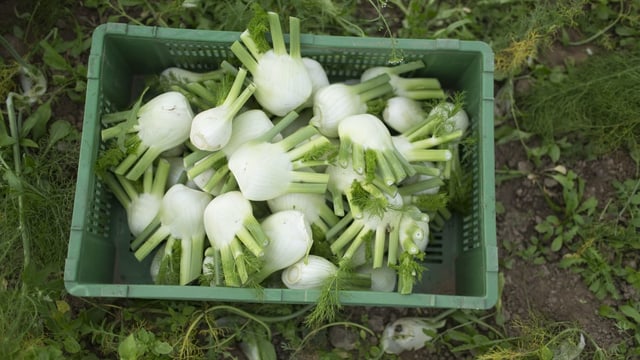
597, 102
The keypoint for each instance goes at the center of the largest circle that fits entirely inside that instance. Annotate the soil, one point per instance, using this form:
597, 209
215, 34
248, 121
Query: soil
547, 290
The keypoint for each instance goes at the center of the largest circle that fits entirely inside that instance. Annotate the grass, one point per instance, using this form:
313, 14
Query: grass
591, 103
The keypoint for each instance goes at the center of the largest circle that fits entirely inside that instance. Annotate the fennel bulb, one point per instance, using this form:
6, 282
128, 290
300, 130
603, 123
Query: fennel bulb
282, 80
408, 334
318, 78
141, 207
309, 273
333, 103
313, 206
159, 125
231, 228
382, 279
178, 75
401, 113
178, 173
266, 170
366, 140
211, 129
456, 118
290, 240
180, 218
209, 169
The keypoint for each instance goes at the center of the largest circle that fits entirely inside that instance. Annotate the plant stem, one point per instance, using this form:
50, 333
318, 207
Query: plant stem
247, 40
17, 164
424, 94
244, 56
347, 236
294, 37
277, 38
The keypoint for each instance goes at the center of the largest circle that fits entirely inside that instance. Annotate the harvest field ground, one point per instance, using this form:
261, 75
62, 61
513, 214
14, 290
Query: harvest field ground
567, 172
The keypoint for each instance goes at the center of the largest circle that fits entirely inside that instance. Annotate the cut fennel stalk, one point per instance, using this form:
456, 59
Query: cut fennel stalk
396, 228
413, 88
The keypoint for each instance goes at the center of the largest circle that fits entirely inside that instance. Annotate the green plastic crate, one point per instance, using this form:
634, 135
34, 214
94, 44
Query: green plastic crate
462, 260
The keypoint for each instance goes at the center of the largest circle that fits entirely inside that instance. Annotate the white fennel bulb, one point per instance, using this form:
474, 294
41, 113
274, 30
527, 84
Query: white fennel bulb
163, 123
308, 273
313, 206
334, 102
211, 129
454, 121
231, 228
265, 170
318, 78
383, 278
282, 80
290, 239
401, 113
408, 334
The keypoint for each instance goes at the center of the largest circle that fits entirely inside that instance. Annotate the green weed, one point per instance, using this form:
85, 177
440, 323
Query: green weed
597, 103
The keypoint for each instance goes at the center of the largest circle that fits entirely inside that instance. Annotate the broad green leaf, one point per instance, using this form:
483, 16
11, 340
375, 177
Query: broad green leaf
589, 205
545, 353
145, 337
625, 30
6, 140
554, 153
71, 345
539, 260
58, 131
52, 58
458, 336
128, 348
131, 2
162, 348
36, 124
557, 243
607, 311
505, 134
635, 222
266, 349
578, 219
602, 11
543, 228
571, 200
569, 261
553, 220
635, 199
28, 143
480, 339
631, 312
